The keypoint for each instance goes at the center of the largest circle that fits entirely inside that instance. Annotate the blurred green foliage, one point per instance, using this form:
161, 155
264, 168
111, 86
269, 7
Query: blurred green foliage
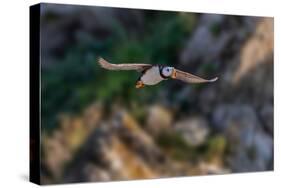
216, 146
76, 80
179, 149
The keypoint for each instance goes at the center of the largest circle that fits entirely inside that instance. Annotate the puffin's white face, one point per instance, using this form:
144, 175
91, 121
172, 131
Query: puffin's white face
167, 71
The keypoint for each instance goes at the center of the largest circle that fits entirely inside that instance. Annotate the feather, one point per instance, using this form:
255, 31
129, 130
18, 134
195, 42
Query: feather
190, 78
109, 66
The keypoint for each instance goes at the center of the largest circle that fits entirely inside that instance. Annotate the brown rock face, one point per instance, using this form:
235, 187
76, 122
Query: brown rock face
159, 119
194, 130
257, 49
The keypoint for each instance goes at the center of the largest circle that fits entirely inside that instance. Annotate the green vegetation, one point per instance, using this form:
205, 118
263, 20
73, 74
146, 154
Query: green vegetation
176, 145
216, 147
179, 149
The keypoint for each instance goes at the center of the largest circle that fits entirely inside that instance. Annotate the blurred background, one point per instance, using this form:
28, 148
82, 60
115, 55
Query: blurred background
97, 127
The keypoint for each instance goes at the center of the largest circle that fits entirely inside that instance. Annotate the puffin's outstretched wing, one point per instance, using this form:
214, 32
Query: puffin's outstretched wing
190, 78
138, 67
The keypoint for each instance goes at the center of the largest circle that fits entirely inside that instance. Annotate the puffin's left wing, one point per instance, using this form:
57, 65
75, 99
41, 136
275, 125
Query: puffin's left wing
190, 78
138, 67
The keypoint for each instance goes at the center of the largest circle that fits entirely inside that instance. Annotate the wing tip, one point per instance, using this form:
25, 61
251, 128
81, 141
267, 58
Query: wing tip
102, 62
214, 79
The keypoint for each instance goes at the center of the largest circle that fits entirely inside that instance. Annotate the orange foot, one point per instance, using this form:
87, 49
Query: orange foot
139, 84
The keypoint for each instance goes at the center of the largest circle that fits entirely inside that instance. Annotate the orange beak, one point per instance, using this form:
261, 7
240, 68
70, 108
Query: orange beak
174, 74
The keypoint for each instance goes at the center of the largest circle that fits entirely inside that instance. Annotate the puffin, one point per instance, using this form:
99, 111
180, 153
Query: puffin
153, 74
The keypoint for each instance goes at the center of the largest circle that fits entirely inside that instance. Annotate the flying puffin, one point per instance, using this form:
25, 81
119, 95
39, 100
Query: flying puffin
153, 74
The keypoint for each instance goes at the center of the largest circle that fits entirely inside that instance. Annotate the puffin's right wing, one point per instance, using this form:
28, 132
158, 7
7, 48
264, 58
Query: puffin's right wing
109, 66
190, 78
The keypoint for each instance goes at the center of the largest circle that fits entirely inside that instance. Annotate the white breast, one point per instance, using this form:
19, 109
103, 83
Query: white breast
152, 76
